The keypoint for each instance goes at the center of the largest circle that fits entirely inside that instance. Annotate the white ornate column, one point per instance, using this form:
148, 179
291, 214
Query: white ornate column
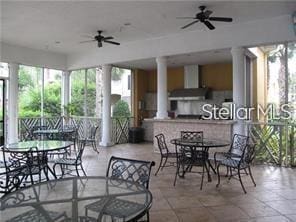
99, 91
162, 111
238, 69
12, 107
65, 90
106, 115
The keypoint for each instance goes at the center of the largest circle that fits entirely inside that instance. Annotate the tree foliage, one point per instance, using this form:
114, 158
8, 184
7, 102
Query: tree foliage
116, 73
121, 109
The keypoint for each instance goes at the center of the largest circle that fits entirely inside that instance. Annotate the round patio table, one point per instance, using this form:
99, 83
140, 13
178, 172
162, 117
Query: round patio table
203, 144
41, 145
46, 146
54, 133
68, 199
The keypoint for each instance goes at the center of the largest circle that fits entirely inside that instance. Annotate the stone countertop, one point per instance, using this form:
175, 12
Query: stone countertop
197, 121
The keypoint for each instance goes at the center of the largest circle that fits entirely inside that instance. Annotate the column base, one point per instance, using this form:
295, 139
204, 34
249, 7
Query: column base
157, 117
106, 144
162, 115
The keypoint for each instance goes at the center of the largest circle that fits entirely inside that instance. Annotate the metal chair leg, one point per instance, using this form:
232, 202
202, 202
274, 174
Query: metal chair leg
251, 175
166, 159
218, 172
77, 170
159, 166
240, 180
82, 169
202, 176
177, 172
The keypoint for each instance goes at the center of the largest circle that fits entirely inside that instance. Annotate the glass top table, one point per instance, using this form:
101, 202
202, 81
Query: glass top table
41, 145
70, 197
53, 131
205, 142
193, 145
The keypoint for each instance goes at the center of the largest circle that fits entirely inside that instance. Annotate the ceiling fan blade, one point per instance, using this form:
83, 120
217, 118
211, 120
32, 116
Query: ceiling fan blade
184, 27
108, 38
87, 36
209, 25
185, 17
220, 19
111, 42
208, 13
87, 41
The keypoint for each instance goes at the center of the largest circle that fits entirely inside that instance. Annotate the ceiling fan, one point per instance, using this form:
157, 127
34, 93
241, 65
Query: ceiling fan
204, 17
100, 39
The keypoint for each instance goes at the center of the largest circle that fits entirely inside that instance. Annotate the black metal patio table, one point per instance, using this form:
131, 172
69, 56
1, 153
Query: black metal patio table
53, 133
68, 198
45, 146
205, 144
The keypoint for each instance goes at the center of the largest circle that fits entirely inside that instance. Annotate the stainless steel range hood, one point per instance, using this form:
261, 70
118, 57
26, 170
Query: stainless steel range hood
189, 94
191, 84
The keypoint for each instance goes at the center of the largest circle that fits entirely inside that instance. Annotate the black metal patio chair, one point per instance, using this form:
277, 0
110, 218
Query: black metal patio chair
91, 138
236, 149
11, 175
192, 135
137, 171
30, 163
165, 154
67, 161
190, 156
239, 163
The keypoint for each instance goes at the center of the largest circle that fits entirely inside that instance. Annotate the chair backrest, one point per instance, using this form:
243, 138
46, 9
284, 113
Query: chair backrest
129, 169
192, 135
239, 142
14, 160
161, 143
249, 153
36, 158
10, 178
93, 132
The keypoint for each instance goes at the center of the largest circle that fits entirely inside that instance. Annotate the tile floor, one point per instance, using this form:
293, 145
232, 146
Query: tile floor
274, 198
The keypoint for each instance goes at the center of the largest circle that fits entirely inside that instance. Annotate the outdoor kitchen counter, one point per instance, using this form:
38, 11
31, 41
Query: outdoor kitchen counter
171, 128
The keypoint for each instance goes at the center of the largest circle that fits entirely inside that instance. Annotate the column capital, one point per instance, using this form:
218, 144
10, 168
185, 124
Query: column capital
106, 65
161, 59
13, 64
237, 50
66, 72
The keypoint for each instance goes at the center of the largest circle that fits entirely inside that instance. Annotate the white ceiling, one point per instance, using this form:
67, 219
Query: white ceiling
40, 24
200, 58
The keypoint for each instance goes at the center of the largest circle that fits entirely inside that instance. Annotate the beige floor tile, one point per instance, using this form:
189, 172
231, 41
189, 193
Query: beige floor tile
184, 202
200, 214
283, 206
269, 219
163, 216
292, 217
187, 203
228, 213
258, 210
